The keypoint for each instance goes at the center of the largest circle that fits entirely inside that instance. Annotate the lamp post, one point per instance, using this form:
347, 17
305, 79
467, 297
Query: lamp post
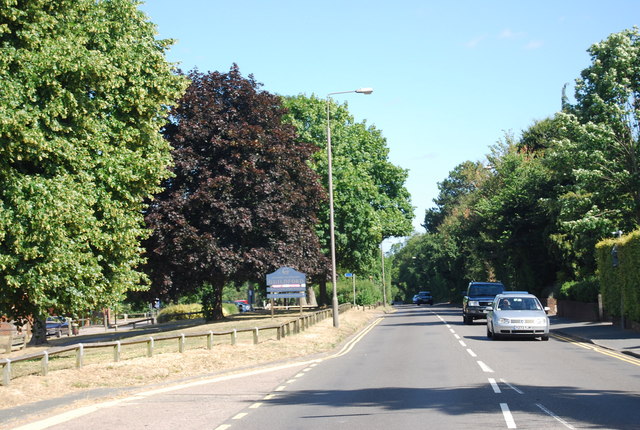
384, 289
334, 301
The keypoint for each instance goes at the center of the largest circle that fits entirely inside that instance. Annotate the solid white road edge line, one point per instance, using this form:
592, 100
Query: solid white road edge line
557, 418
511, 386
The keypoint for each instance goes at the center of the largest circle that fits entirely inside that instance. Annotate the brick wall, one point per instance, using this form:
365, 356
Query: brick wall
577, 310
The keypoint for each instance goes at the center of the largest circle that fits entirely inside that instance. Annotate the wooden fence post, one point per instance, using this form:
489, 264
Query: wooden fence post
234, 336
255, 335
181, 343
210, 340
150, 346
116, 351
79, 355
45, 363
6, 372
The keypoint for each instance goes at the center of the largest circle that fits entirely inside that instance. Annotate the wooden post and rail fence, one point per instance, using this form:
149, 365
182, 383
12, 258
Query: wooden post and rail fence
78, 350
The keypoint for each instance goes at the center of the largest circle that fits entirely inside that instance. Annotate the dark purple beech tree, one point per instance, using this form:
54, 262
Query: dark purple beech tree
242, 201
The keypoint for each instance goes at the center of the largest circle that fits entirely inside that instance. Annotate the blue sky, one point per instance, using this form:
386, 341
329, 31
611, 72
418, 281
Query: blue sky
449, 77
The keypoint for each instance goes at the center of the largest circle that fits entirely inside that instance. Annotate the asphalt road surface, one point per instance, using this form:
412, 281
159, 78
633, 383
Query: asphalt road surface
417, 368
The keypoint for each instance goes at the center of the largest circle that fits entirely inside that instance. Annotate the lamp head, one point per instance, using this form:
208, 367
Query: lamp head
364, 90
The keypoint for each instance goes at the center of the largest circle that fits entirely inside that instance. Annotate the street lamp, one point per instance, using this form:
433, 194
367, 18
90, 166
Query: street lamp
334, 301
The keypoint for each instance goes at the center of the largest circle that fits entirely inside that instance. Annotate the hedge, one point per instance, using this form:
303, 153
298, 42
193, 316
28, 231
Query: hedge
620, 283
179, 312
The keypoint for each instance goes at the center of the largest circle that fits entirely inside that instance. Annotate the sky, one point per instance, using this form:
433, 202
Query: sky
450, 78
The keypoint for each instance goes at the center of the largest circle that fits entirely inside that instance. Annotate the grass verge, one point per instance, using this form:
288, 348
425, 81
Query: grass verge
138, 370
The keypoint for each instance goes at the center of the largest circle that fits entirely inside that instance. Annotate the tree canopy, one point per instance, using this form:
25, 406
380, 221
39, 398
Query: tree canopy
533, 216
371, 201
242, 200
85, 89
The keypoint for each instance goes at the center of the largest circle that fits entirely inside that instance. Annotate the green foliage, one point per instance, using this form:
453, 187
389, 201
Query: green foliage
177, 312
532, 218
430, 262
620, 284
210, 302
229, 309
368, 292
243, 200
85, 89
370, 200
581, 291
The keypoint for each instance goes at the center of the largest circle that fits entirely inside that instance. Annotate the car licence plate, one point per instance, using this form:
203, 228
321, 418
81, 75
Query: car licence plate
522, 327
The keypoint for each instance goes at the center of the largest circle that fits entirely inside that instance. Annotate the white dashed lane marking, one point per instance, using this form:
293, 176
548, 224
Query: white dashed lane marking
508, 418
494, 385
484, 367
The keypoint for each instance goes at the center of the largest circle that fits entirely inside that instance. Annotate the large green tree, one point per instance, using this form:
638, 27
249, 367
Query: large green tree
243, 198
599, 142
370, 199
85, 89
532, 219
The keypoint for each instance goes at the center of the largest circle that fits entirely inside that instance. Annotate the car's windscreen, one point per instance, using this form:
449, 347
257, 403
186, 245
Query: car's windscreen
485, 290
519, 304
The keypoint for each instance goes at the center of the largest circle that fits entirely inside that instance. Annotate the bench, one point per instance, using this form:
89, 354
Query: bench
10, 338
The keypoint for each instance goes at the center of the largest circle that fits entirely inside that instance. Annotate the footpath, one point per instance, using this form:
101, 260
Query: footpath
602, 334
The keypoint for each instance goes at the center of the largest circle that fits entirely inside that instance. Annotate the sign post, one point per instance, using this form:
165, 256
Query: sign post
286, 283
353, 278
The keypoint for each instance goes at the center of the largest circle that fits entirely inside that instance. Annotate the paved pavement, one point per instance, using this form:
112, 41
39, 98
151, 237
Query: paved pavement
603, 334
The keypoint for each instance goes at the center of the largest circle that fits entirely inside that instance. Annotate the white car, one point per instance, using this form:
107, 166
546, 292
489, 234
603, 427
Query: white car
517, 314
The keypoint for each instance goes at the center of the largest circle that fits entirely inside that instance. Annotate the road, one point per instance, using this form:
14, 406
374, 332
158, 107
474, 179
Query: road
417, 368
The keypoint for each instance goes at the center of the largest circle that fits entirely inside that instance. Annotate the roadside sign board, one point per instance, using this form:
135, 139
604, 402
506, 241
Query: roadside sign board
286, 295
286, 283
286, 275
286, 289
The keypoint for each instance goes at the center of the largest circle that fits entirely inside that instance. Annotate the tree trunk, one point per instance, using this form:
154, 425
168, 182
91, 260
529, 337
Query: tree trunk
312, 296
39, 331
218, 286
324, 298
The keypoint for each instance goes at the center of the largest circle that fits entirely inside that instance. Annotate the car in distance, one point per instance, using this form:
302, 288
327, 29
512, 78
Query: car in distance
517, 314
243, 305
423, 298
57, 326
478, 297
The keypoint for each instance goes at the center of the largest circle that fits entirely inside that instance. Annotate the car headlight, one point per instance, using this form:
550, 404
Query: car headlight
504, 321
474, 303
539, 321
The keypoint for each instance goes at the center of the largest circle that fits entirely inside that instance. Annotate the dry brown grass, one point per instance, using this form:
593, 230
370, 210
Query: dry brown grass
100, 370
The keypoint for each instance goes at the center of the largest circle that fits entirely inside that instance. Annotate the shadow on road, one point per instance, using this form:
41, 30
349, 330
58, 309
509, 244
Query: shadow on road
464, 400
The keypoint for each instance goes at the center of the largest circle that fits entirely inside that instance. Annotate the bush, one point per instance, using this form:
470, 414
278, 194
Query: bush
208, 299
580, 291
229, 309
177, 312
367, 292
619, 280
